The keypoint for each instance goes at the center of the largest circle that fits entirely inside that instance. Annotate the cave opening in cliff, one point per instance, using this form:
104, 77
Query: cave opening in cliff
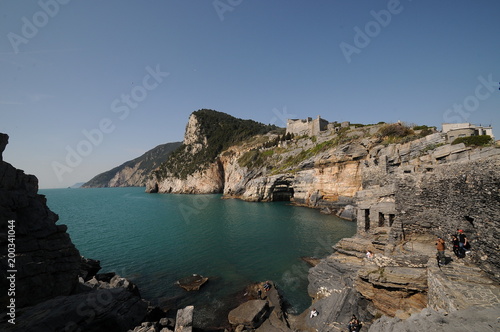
282, 192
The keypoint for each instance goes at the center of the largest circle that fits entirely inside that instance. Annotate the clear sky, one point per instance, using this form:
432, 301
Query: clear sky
88, 85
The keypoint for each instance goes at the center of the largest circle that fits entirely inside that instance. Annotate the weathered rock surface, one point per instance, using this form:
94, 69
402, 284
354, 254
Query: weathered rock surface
193, 282
477, 318
264, 313
184, 319
89, 268
50, 289
115, 309
46, 261
250, 314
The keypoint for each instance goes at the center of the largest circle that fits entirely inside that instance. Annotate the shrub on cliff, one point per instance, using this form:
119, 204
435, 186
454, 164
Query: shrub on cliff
480, 140
395, 130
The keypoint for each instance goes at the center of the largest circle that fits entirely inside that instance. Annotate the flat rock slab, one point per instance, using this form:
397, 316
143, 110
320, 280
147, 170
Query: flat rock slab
250, 314
193, 282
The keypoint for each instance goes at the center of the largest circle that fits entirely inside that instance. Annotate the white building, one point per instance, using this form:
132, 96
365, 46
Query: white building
456, 130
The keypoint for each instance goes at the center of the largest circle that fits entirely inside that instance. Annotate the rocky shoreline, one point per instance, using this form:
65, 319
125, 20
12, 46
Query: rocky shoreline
399, 214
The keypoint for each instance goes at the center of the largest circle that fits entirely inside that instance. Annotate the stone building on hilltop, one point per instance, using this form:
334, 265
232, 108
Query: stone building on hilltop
309, 127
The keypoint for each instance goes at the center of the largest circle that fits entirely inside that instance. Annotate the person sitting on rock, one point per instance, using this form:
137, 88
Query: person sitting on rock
267, 286
314, 313
353, 324
369, 254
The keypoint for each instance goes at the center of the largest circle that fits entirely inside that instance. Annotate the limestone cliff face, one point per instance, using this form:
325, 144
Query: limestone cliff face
46, 260
193, 136
207, 181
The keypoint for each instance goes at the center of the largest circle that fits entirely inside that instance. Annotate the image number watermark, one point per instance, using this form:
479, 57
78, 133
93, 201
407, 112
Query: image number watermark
11, 271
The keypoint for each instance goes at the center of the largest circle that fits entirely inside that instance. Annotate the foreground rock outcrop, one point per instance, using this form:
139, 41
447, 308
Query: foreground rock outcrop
47, 283
46, 261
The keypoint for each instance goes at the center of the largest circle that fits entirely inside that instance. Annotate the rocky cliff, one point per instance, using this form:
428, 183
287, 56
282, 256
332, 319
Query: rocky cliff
46, 260
196, 166
42, 273
133, 173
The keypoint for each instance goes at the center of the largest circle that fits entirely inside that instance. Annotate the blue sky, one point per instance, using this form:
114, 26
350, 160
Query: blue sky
88, 85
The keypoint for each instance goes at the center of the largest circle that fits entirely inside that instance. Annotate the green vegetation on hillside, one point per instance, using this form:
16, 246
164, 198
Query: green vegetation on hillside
221, 131
394, 133
480, 140
148, 162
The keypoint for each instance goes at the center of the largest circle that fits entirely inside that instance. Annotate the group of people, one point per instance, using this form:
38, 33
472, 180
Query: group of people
460, 244
354, 324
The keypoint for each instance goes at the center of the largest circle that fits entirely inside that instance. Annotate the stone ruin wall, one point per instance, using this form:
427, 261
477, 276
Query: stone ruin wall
457, 196
298, 127
444, 198
309, 126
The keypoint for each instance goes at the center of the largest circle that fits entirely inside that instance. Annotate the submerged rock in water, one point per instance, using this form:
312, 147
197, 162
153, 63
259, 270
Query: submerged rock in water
312, 261
193, 282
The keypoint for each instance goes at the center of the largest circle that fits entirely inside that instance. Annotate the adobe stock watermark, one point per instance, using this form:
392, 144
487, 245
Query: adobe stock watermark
30, 27
121, 107
199, 203
461, 112
363, 37
223, 6
292, 277
281, 116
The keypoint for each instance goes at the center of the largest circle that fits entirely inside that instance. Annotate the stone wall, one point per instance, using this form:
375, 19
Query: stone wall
456, 196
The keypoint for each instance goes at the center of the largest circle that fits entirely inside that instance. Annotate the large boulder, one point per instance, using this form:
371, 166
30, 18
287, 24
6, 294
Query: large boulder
250, 314
184, 319
95, 311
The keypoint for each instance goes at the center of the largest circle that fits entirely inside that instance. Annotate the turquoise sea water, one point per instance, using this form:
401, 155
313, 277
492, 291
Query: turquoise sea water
156, 239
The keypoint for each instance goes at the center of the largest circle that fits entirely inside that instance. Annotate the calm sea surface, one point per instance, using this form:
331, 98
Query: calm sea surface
156, 239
